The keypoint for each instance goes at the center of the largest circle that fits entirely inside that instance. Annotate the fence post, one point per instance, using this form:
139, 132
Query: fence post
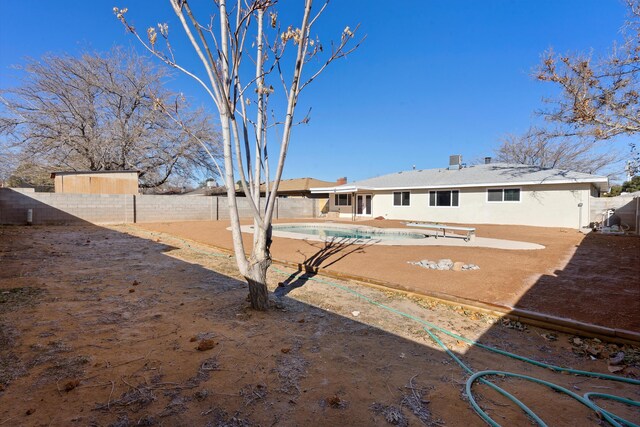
126, 208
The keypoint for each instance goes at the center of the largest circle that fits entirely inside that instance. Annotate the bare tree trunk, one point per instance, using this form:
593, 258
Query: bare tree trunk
228, 93
259, 263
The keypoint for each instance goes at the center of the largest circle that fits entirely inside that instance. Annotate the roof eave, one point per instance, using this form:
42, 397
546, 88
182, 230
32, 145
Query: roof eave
600, 182
339, 189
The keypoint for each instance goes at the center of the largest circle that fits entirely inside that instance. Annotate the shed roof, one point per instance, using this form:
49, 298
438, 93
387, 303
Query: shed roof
53, 174
485, 175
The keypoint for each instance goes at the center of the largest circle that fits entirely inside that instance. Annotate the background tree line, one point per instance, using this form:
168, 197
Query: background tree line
101, 112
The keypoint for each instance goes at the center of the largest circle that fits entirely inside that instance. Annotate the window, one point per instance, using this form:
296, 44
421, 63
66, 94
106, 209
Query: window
512, 195
494, 195
444, 198
401, 198
503, 195
343, 200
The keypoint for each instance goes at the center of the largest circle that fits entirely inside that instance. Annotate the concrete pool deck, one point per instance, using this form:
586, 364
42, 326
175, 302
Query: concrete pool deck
429, 240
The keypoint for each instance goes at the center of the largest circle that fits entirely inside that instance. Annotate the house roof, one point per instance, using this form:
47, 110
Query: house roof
53, 174
485, 175
207, 191
299, 185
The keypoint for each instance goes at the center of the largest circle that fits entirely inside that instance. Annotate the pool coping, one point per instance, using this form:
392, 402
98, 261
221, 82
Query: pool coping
449, 240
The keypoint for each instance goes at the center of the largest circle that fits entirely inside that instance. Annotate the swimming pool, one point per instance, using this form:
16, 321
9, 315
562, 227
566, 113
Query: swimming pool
347, 232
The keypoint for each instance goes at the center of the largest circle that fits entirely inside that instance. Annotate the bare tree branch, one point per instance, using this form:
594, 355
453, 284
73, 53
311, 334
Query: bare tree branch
227, 63
100, 112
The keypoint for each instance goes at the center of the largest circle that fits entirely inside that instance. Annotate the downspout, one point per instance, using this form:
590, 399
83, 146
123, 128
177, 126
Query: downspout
580, 216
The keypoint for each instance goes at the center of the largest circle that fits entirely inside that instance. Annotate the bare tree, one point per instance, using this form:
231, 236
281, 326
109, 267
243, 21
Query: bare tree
243, 88
105, 112
539, 147
599, 96
598, 101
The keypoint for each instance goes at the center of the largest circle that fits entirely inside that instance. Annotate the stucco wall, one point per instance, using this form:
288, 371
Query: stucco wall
344, 211
541, 205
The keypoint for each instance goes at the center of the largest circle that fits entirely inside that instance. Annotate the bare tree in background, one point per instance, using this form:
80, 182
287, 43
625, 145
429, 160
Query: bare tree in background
599, 96
243, 88
103, 112
539, 147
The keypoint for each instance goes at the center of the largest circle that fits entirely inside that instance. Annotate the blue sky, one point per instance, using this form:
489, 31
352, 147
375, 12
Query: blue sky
433, 78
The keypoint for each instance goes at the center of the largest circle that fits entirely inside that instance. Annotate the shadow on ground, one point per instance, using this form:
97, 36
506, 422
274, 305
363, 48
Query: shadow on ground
603, 271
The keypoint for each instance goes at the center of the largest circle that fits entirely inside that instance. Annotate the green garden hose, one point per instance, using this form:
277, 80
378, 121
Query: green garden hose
611, 418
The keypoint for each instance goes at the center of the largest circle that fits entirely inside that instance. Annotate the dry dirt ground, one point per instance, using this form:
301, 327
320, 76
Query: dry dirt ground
120, 326
592, 279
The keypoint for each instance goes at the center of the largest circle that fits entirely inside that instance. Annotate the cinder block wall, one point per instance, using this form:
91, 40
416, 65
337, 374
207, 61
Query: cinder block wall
52, 208
295, 208
626, 209
55, 208
151, 208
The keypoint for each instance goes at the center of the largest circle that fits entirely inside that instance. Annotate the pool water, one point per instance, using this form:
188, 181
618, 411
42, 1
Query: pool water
348, 233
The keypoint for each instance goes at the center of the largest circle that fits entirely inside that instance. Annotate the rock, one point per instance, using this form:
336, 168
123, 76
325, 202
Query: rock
457, 266
355, 313
617, 359
445, 264
206, 345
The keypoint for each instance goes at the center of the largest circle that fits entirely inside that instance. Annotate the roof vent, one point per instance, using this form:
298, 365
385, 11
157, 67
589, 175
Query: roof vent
455, 162
487, 160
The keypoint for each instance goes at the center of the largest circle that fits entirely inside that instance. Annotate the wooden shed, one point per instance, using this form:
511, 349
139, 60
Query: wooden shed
96, 182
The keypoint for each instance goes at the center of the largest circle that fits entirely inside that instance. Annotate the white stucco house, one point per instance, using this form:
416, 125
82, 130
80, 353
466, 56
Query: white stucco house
490, 193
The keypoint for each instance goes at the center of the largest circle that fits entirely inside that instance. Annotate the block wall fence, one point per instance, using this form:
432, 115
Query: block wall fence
56, 208
627, 210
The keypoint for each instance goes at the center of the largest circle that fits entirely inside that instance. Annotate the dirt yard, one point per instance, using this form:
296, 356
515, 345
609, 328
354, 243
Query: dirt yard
117, 326
576, 276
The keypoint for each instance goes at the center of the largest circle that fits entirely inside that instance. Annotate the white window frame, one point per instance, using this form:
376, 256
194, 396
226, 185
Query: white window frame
443, 189
393, 199
349, 200
503, 200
